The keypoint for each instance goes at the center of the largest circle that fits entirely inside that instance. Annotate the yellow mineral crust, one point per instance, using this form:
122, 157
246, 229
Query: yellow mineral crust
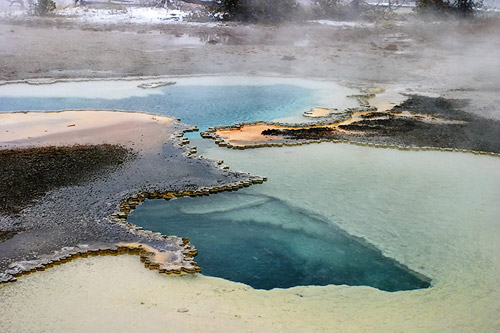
250, 135
318, 112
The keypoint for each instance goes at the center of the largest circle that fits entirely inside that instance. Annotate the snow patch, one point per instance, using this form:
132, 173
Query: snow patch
129, 15
12, 13
343, 24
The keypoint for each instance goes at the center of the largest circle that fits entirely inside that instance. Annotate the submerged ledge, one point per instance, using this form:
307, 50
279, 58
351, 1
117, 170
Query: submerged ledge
72, 221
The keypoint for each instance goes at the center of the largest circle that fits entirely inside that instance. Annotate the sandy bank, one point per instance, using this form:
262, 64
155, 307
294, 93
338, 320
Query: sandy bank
318, 112
140, 131
145, 300
247, 135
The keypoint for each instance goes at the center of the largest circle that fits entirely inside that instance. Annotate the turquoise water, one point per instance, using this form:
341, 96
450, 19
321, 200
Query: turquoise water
202, 105
240, 237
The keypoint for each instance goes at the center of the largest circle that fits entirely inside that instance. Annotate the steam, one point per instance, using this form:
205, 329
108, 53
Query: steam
450, 57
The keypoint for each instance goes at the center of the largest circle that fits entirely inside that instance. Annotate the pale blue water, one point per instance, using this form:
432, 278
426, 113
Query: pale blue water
203, 106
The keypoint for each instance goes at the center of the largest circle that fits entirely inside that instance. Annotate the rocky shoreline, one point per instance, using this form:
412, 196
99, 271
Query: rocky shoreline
419, 123
77, 220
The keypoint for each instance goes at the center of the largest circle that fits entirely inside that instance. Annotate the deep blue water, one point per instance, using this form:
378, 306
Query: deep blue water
266, 243
203, 106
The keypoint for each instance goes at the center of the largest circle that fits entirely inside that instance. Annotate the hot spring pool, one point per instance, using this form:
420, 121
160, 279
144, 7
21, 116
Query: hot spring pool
268, 243
341, 214
431, 211
199, 101
330, 213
